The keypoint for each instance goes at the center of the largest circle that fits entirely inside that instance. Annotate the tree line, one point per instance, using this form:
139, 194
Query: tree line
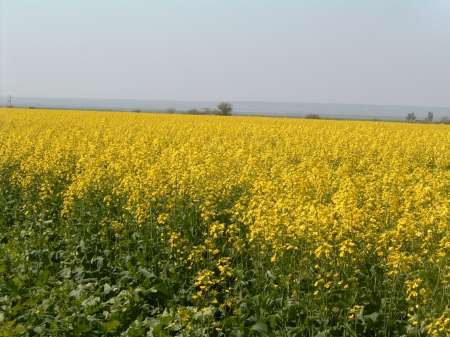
411, 117
222, 109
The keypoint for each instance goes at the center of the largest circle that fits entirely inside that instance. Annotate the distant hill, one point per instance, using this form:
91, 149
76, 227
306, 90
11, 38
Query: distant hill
351, 111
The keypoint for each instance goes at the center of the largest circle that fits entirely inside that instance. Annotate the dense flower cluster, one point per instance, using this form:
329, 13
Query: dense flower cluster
203, 225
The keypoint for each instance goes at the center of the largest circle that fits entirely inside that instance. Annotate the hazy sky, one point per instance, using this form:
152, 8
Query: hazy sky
343, 51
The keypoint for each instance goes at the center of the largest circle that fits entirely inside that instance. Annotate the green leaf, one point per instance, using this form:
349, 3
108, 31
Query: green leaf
19, 329
106, 289
373, 316
111, 325
146, 273
66, 272
39, 330
270, 275
260, 327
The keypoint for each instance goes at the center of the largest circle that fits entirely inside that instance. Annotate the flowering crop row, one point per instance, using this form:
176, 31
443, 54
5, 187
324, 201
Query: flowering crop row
168, 225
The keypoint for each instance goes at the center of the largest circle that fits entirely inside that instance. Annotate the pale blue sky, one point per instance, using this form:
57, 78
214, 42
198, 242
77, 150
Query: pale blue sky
347, 51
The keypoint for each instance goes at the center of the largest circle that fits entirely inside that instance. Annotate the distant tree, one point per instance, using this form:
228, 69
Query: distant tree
224, 109
208, 111
411, 117
194, 112
429, 117
445, 120
312, 116
171, 111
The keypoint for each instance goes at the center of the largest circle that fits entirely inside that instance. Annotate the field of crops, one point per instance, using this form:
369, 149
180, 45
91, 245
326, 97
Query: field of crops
127, 224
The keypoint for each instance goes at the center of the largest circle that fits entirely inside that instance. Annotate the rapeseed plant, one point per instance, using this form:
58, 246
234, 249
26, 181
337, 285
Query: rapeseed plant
170, 225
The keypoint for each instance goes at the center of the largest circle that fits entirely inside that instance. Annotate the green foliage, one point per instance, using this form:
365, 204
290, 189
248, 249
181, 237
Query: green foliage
65, 278
103, 268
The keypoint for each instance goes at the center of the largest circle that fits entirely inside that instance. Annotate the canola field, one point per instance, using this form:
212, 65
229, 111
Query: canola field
127, 224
